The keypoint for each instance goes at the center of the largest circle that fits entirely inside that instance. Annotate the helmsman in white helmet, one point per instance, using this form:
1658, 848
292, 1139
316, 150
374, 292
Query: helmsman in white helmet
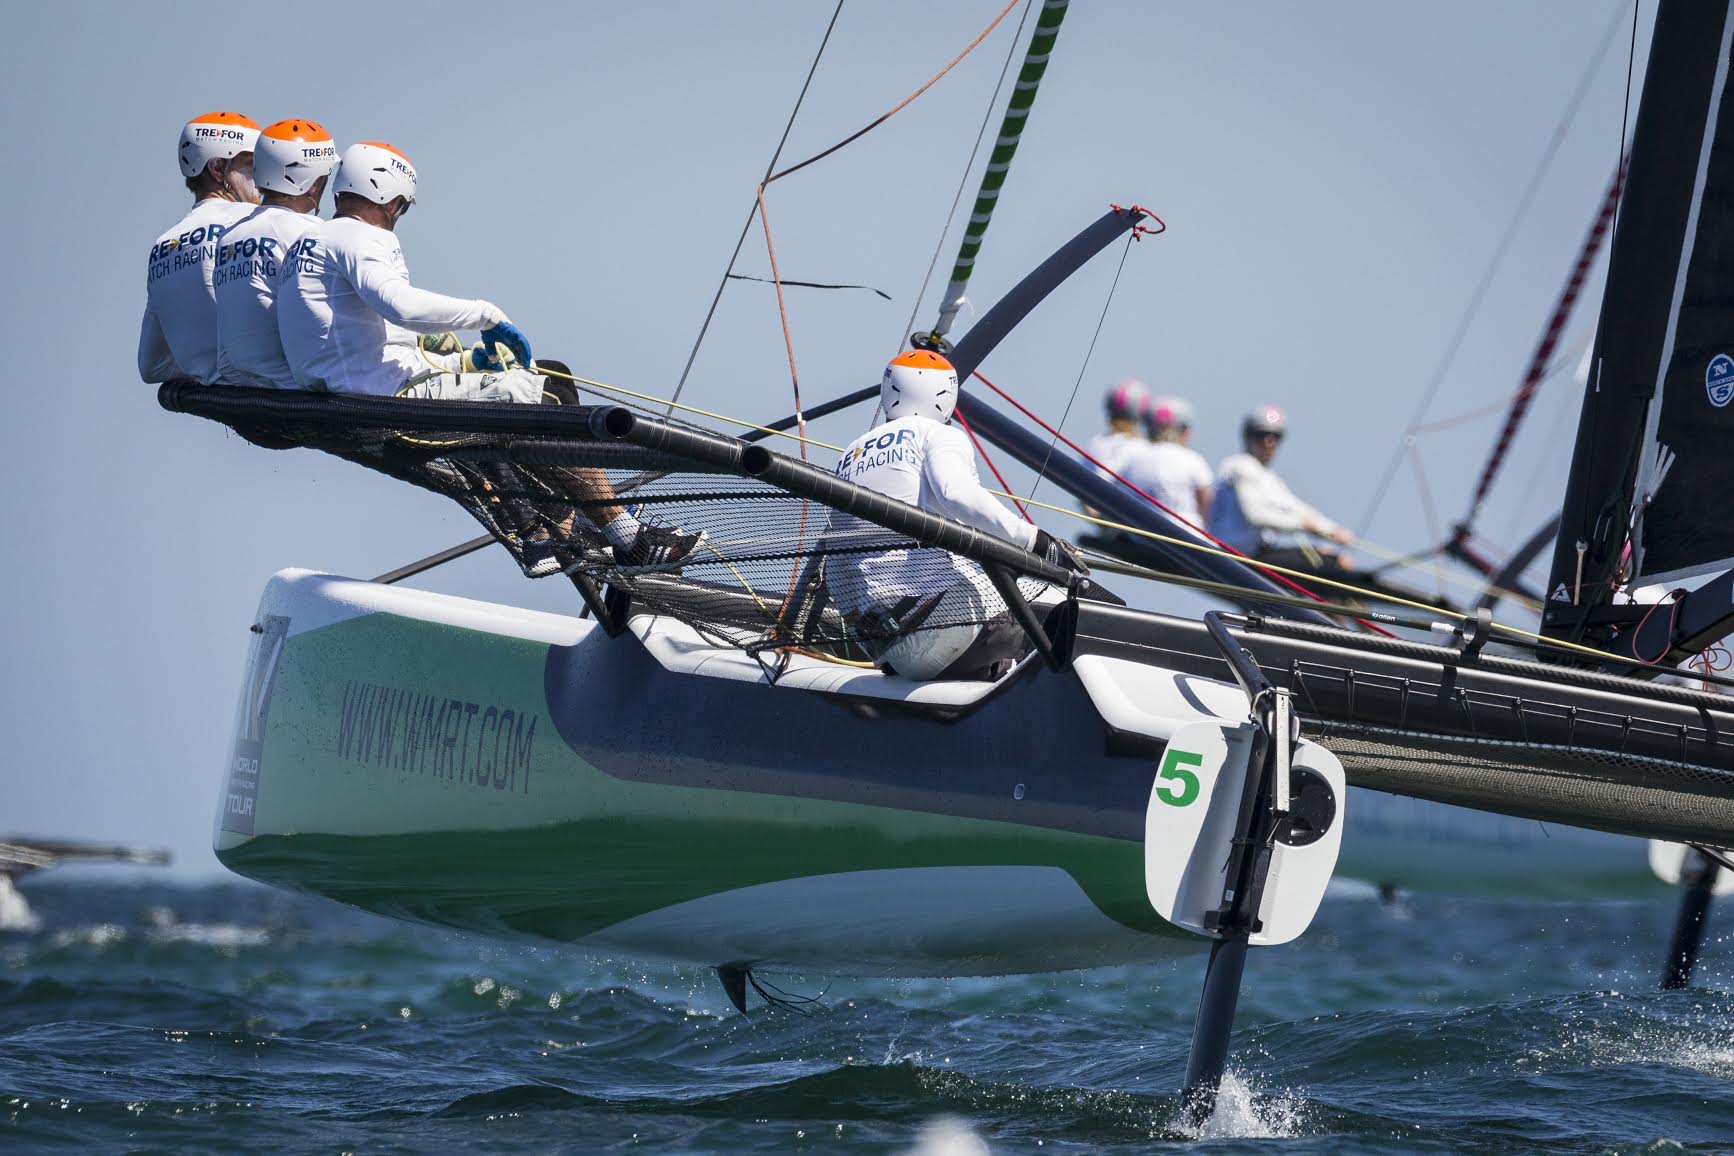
178, 339
350, 319
1255, 512
292, 164
1168, 469
921, 612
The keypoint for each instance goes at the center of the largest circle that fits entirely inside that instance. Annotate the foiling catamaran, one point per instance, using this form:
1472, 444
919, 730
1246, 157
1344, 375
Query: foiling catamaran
704, 767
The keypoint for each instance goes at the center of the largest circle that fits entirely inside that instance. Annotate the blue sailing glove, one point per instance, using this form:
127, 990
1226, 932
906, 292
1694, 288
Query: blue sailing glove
480, 358
512, 338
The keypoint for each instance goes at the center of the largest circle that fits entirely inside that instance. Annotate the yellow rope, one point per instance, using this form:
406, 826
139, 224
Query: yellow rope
620, 389
1153, 536
1444, 574
1305, 576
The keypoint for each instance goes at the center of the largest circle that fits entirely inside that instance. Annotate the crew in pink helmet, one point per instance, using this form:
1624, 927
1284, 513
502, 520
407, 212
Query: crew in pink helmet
1127, 404
1168, 469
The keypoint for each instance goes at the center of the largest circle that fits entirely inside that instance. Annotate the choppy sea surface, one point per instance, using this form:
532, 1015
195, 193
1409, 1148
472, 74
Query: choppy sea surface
224, 1017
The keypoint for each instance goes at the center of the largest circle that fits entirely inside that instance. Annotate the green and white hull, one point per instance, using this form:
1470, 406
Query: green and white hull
514, 772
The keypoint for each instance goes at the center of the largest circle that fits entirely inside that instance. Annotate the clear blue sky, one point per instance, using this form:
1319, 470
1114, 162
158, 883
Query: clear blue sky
1335, 177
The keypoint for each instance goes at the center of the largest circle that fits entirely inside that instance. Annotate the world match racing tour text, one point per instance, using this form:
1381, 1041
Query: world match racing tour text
444, 738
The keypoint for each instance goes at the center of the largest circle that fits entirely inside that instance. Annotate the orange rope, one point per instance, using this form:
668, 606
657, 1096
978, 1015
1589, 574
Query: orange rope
900, 105
783, 315
771, 252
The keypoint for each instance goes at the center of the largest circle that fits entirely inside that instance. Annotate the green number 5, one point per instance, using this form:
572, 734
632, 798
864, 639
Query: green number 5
1182, 786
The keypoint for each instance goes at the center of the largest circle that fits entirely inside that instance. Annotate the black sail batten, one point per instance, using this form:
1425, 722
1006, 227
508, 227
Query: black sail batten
1667, 315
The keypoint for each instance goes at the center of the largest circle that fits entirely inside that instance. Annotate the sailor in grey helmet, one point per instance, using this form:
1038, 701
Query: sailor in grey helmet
920, 612
1257, 514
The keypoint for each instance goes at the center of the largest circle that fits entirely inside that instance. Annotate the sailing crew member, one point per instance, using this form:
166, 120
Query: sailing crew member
1257, 514
921, 612
292, 164
1128, 405
349, 318
1168, 469
178, 339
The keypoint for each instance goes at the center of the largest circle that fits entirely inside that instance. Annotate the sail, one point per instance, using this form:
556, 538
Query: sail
1682, 530
1653, 448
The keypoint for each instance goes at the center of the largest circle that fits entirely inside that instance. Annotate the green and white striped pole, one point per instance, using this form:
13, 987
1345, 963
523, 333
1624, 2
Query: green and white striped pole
999, 162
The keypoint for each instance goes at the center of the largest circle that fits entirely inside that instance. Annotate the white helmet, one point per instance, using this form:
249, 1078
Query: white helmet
292, 155
918, 383
216, 136
376, 171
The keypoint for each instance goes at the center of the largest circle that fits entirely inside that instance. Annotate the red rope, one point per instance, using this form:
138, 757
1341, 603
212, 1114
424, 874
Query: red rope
1673, 597
1139, 232
1550, 336
1221, 545
999, 477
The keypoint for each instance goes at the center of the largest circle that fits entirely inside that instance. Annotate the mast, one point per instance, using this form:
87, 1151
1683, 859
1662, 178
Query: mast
1011, 129
1664, 321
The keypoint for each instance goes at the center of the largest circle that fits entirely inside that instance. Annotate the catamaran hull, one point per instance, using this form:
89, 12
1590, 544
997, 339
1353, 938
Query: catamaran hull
518, 773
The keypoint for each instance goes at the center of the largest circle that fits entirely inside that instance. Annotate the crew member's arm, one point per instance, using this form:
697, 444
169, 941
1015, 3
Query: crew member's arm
155, 361
1203, 486
380, 282
1268, 503
958, 493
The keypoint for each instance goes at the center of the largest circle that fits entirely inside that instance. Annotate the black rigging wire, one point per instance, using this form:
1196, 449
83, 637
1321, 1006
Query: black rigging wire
963, 180
1084, 368
1595, 413
785, 283
753, 212
1499, 253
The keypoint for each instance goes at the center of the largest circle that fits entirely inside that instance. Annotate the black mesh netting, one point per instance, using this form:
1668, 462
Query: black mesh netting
762, 569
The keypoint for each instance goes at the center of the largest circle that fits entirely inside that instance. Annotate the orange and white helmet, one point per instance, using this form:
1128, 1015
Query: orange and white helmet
377, 171
216, 136
919, 383
292, 155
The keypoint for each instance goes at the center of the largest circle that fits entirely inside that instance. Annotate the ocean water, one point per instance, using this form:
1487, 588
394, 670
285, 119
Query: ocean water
150, 1016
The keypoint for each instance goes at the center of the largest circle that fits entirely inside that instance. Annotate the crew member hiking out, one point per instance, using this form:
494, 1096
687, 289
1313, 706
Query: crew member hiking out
349, 318
178, 339
1257, 514
1168, 469
292, 164
921, 612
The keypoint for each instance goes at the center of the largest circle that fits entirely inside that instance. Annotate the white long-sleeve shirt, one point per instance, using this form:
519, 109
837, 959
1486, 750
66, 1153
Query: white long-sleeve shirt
925, 464
250, 263
1114, 450
347, 309
1171, 473
1252, 506
179, 336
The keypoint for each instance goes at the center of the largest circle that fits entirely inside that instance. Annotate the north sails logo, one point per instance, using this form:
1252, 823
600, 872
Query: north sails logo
1719, 380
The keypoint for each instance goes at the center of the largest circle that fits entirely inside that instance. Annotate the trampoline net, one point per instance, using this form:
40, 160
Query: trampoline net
764, 570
